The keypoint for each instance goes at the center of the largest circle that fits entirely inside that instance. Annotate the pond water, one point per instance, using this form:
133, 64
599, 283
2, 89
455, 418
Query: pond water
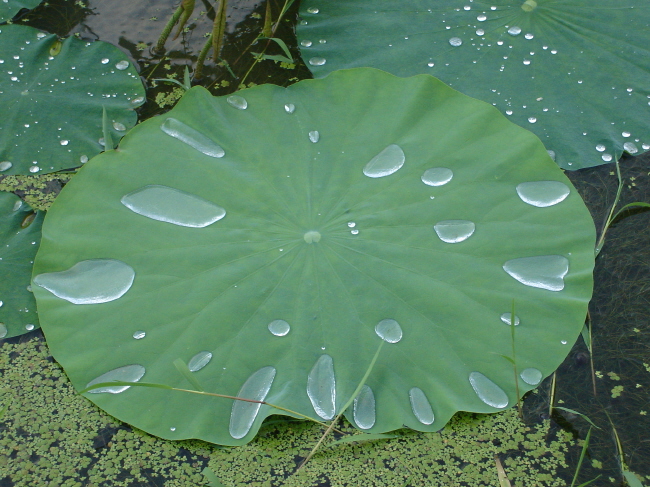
50, 436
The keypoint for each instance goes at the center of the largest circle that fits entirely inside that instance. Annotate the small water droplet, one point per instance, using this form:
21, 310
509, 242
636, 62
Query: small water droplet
437, 176
305, 43
172, 429
321, 387
237, 101
351, 224
527, 62
314, 136
312, 236
487, 391
105, 60
317, 61
312, 10
531, 376
481, 18
606, 157
630, 147
4, 165
137, 101
454, 231
455, 41
543, 193
89, 281
387, 162
389, 331
199, 361
529, 36
83, 159
480, 32
563, 342
40, 35
544, 271
191, 137
122, 65
364, 408
243, 413
290, 108
171, 205
3, 330
322, 41
551, 153
119, 126
514, 30
626, 134
279, 328
354, 232
600, 148
645, 146
431, 64
139, 335
532, 119
128, 373
506, 318
29, 327
34, 169
421, 406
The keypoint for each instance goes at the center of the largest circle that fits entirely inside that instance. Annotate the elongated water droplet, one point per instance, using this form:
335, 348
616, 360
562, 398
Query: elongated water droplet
3, 330
139, 335
514, 30
544, 271
317, 61
385, 163
364, 408
506, 318
314, 136
305, 43
238, 102
421, 406
4, 165
543, 193
321, 387
290, 108
171, 205
279, 328
487, 391
128, 373
243, 413
531, 376
191, 137
312, 10
454, 231
89, 281
389, 331
199, 361
455, 41
437, 176
630, 148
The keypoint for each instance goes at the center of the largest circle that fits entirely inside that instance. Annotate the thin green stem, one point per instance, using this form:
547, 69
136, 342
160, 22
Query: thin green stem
160, 45
610, 216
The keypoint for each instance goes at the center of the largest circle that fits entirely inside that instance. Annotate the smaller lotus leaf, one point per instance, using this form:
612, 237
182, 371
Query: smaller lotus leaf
20, 234
9, 8
273, 238
52, 95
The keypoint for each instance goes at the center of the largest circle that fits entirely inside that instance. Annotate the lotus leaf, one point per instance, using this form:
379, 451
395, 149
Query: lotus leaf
273, 238
575, 73
20, 233
52, 96
9, 8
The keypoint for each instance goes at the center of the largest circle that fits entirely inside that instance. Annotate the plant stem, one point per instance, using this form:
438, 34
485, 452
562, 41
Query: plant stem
608, 221
198, 72
160, 45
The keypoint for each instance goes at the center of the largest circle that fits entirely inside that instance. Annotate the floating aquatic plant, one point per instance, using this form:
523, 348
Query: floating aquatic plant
573, 72
52, 96
271, 239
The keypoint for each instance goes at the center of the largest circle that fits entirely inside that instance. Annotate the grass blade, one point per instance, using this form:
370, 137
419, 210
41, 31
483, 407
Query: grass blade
579, 414
632, 479
106, 128
585, 446
212, 479
187, 373
503, 478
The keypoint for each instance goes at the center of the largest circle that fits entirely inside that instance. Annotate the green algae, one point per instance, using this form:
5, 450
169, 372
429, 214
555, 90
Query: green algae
52, 436
38, 191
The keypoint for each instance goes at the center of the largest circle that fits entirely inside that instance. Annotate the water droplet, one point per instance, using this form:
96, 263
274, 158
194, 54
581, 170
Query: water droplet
34, 169
312, 10
351, 224
431, 64
437, 176
64, 142
514, 30
29, 327
321, 387
487, 391
543, 193
172, 429
105, 60
563, 342
508, 112
529, 36
600, 148
645, 146
544, 271
191, 137
532, 119
4, 165
606, 157
626, 134
364, 408
354, 232
630, 147
305, 43
527, 62
481, 18
317, 61
237, 101
137, 101
171, 205
480, 32
311, 236
243, 413
389, 331
454, 231
3, 330
506, 318
314, 136
128, 373
1, 303
455, 41
531, 376
89, 281
40, 35
551, 153
83, 159
322, 41
279, 328
386, 162
199, 361
139, 335
421, 406
290, 108
119, 126
122, 65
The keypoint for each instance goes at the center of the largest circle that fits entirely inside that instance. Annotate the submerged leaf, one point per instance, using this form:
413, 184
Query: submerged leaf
325, 247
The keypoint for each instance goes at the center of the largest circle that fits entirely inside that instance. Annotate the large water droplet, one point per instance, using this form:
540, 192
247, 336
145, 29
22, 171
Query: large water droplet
314, 136
243, 413
89, 281
454, 231
421, 406
279, 328
191, 137
531, 376
437, 176
364, 408
237, 101
544, 271
128, 373
630, 148
171, 205
386, 162
199, 361
514, 30
487, 391
506, 318
317, 61
122, 65
311, 236
4, 165
543, 193
321, 387
455, 41
389, 331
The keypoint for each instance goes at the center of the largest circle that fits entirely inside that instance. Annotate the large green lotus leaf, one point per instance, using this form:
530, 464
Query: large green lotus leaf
20, 233
9, 8
52, 95
575, 72
280, 232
